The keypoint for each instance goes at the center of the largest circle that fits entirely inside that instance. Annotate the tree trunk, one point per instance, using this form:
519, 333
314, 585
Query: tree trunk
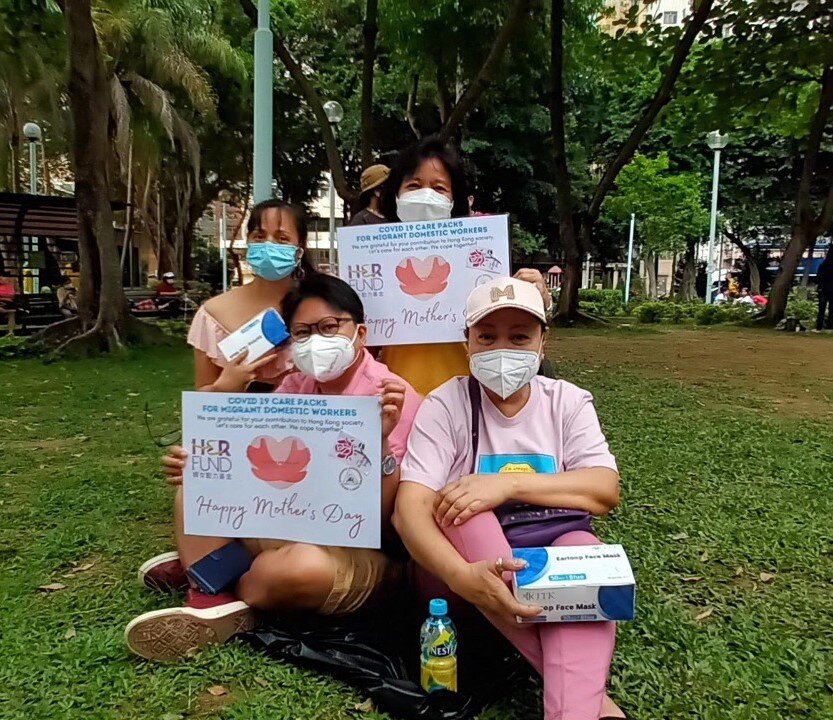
89, 102
806, 227
688, 284
751, 261
409, 107
567, 309
14, 143
444, 101
651, 269
754, 277
370, 29
780, 291
805, 276
486, 75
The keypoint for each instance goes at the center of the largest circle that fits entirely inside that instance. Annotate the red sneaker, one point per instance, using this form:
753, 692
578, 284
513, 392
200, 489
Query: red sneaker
175, 633
164, 573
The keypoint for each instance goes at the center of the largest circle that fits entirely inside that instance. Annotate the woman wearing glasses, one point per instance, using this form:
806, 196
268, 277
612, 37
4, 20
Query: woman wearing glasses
326, 322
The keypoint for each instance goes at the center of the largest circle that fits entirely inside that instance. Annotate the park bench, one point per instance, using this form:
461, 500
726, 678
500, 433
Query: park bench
137, 295
36, 312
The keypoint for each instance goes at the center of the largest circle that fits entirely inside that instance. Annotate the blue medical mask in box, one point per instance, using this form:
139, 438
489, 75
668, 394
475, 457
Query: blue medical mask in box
263, 332
582, 583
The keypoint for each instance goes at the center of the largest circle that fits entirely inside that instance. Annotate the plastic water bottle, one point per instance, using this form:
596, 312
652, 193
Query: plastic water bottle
438, 649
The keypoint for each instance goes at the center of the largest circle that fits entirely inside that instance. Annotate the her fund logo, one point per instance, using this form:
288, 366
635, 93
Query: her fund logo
210, 459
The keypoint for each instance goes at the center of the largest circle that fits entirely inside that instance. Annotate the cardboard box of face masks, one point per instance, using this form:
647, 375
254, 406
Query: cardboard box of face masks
576, 584
262, 333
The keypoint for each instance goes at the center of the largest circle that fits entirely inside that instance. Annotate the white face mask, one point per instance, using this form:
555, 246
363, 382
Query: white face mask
324, 358
423, 204
504, 372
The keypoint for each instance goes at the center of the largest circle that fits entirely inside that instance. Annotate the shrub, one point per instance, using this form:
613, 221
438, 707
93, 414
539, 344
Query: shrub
601, 302
649, 312
174, 328
14, 346
804, 310
663, 311
711, 315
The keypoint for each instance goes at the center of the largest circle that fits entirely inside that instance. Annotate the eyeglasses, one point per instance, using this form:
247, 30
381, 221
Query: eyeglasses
328, 327
165, 439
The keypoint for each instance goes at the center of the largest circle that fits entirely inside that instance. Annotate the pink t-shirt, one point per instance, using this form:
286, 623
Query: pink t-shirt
206, 333
365, 382
557, 430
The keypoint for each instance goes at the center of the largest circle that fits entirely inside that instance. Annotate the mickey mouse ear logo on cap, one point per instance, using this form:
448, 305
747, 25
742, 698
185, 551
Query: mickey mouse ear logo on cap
508, 292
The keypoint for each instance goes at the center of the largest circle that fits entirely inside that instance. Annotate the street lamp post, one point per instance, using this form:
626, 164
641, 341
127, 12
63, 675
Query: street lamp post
262, 162
630, 260
335, 114
224, 197
32, 133
716, 142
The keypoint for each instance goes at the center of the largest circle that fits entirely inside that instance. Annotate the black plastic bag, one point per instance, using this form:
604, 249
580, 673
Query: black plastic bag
377, 651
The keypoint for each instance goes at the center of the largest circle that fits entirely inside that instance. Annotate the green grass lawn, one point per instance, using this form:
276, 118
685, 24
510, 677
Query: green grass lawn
725, 514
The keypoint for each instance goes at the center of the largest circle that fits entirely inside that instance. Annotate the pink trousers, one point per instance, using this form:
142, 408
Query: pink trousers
572, 658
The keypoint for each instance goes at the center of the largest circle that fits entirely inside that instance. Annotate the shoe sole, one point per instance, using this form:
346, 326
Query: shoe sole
147, 566
172, 634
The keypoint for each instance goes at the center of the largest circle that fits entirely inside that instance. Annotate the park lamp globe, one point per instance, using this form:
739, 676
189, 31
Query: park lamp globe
334, 111
32, 132
716, 141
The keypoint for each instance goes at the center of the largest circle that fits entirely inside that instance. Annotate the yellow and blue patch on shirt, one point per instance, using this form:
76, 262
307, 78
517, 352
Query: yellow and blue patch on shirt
500, 464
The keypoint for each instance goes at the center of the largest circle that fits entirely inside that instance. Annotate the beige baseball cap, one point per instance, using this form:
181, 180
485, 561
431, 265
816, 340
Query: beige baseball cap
374, 176
504, 292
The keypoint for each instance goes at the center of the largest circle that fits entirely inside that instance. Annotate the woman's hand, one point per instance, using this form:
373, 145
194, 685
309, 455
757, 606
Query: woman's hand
236, 376
393, 398
483, 585
534, 276
471, 494
173, 464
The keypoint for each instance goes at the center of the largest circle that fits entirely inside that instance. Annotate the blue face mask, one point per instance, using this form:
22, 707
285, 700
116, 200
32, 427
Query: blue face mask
272, 261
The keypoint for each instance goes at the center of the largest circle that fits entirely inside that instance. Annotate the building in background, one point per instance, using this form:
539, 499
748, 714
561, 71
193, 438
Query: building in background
668, 13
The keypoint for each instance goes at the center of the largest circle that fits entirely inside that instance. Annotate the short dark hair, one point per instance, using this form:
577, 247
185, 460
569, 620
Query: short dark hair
332, 290
411, 158
297, 213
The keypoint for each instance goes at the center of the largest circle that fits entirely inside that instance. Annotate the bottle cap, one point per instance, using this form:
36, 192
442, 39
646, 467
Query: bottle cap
438, 607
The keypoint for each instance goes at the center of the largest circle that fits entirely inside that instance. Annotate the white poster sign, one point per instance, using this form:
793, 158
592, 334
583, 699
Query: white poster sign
414, 278
305, 468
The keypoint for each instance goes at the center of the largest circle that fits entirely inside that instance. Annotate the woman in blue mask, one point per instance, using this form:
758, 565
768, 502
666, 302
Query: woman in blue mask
277, 239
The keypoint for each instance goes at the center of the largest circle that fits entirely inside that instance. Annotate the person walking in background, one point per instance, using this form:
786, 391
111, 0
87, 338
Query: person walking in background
824, 280
372, 185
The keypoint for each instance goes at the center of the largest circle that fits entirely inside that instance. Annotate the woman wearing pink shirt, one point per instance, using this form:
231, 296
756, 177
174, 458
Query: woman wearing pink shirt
511, 459
326, 323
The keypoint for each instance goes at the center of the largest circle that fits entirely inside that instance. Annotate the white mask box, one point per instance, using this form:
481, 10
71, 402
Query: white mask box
262, 333
584, 583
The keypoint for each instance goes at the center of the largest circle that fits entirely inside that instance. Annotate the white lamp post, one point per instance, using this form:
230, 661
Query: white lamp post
716, 142
335, 114
630, 260
224, 196
262, 167
32, 133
